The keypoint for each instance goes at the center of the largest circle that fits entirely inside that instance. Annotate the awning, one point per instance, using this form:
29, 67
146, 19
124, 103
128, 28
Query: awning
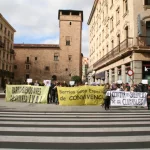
100, 75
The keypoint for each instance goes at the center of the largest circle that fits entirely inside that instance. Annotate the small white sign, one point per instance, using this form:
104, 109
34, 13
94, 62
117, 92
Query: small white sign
71, 82
144, 81
47, 82
29, 80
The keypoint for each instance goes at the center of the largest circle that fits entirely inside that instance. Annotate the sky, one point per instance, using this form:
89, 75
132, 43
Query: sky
36, 21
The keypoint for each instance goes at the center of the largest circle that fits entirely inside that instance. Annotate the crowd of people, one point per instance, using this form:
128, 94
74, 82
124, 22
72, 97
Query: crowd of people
119, 86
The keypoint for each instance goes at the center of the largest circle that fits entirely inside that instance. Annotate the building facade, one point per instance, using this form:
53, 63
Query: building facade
84, 69
53, 62
119, 32
6, 51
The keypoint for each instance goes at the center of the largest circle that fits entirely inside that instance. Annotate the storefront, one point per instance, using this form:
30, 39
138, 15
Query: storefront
146, 70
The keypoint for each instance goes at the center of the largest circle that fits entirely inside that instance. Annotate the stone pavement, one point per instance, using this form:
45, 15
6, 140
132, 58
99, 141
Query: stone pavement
18, 106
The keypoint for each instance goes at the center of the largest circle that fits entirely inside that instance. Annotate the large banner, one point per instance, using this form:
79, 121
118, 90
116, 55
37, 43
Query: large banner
81, 95
26, 93
121, 98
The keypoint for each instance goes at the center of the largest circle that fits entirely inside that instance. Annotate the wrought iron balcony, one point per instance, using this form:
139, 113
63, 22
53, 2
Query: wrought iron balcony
2, 44
143, 41
115, 53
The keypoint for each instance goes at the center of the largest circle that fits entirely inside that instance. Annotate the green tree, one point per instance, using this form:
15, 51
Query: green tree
77, 79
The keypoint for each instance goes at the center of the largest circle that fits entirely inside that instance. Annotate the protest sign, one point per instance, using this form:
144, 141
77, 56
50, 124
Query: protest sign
71, 83
29, 80
47, 82
122, 98
26, 93
81, 95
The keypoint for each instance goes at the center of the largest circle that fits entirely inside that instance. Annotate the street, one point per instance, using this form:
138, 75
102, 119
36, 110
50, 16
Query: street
78, 128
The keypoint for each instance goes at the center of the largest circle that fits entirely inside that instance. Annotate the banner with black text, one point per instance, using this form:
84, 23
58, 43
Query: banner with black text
122, 98
26, 93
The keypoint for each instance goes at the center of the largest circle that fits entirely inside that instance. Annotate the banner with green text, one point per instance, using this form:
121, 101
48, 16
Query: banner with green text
81, 95
26, 93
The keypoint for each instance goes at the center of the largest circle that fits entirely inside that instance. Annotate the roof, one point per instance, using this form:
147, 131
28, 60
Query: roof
7, 22
69, 10
36, 46
92, 11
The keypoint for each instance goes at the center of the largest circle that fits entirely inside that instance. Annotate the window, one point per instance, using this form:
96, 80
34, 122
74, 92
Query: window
68, 39
3, 55
125, 6
35, 58
11, 36
111, 23
147, 2
107, 49
27, 59
56, 58
10, 68
3, 66
8, 33
15, 66
47, 68
1, 26
27, 67
5, 31
112, 44
117, 15
119, 41
70, 57
6, 67
27, 76
70, 23
126, 32
67, 42
107, 30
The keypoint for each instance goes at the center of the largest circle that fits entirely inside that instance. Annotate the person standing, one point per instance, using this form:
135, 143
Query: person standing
107, 91
148, 97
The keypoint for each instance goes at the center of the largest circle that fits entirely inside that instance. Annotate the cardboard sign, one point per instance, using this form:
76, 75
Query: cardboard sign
71, 82
29, 80
144, 81
47, 82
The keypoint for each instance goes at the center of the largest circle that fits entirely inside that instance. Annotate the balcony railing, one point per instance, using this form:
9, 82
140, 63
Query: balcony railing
143, 41
117, 51
2, 44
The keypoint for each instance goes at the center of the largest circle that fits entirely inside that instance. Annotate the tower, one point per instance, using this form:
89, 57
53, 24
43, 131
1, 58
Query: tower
70, 24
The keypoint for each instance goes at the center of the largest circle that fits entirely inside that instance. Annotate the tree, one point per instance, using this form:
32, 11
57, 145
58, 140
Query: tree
77, 79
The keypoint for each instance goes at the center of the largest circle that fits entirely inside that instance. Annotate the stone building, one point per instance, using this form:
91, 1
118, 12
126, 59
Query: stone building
119, 32
53, 62
6, 51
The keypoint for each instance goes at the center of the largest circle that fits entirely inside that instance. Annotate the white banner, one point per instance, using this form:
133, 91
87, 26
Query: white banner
122, 98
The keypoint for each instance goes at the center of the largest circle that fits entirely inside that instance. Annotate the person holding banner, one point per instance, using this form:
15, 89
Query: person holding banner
148, 98
107, 96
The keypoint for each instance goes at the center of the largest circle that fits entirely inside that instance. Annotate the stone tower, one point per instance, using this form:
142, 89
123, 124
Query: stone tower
70, 24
